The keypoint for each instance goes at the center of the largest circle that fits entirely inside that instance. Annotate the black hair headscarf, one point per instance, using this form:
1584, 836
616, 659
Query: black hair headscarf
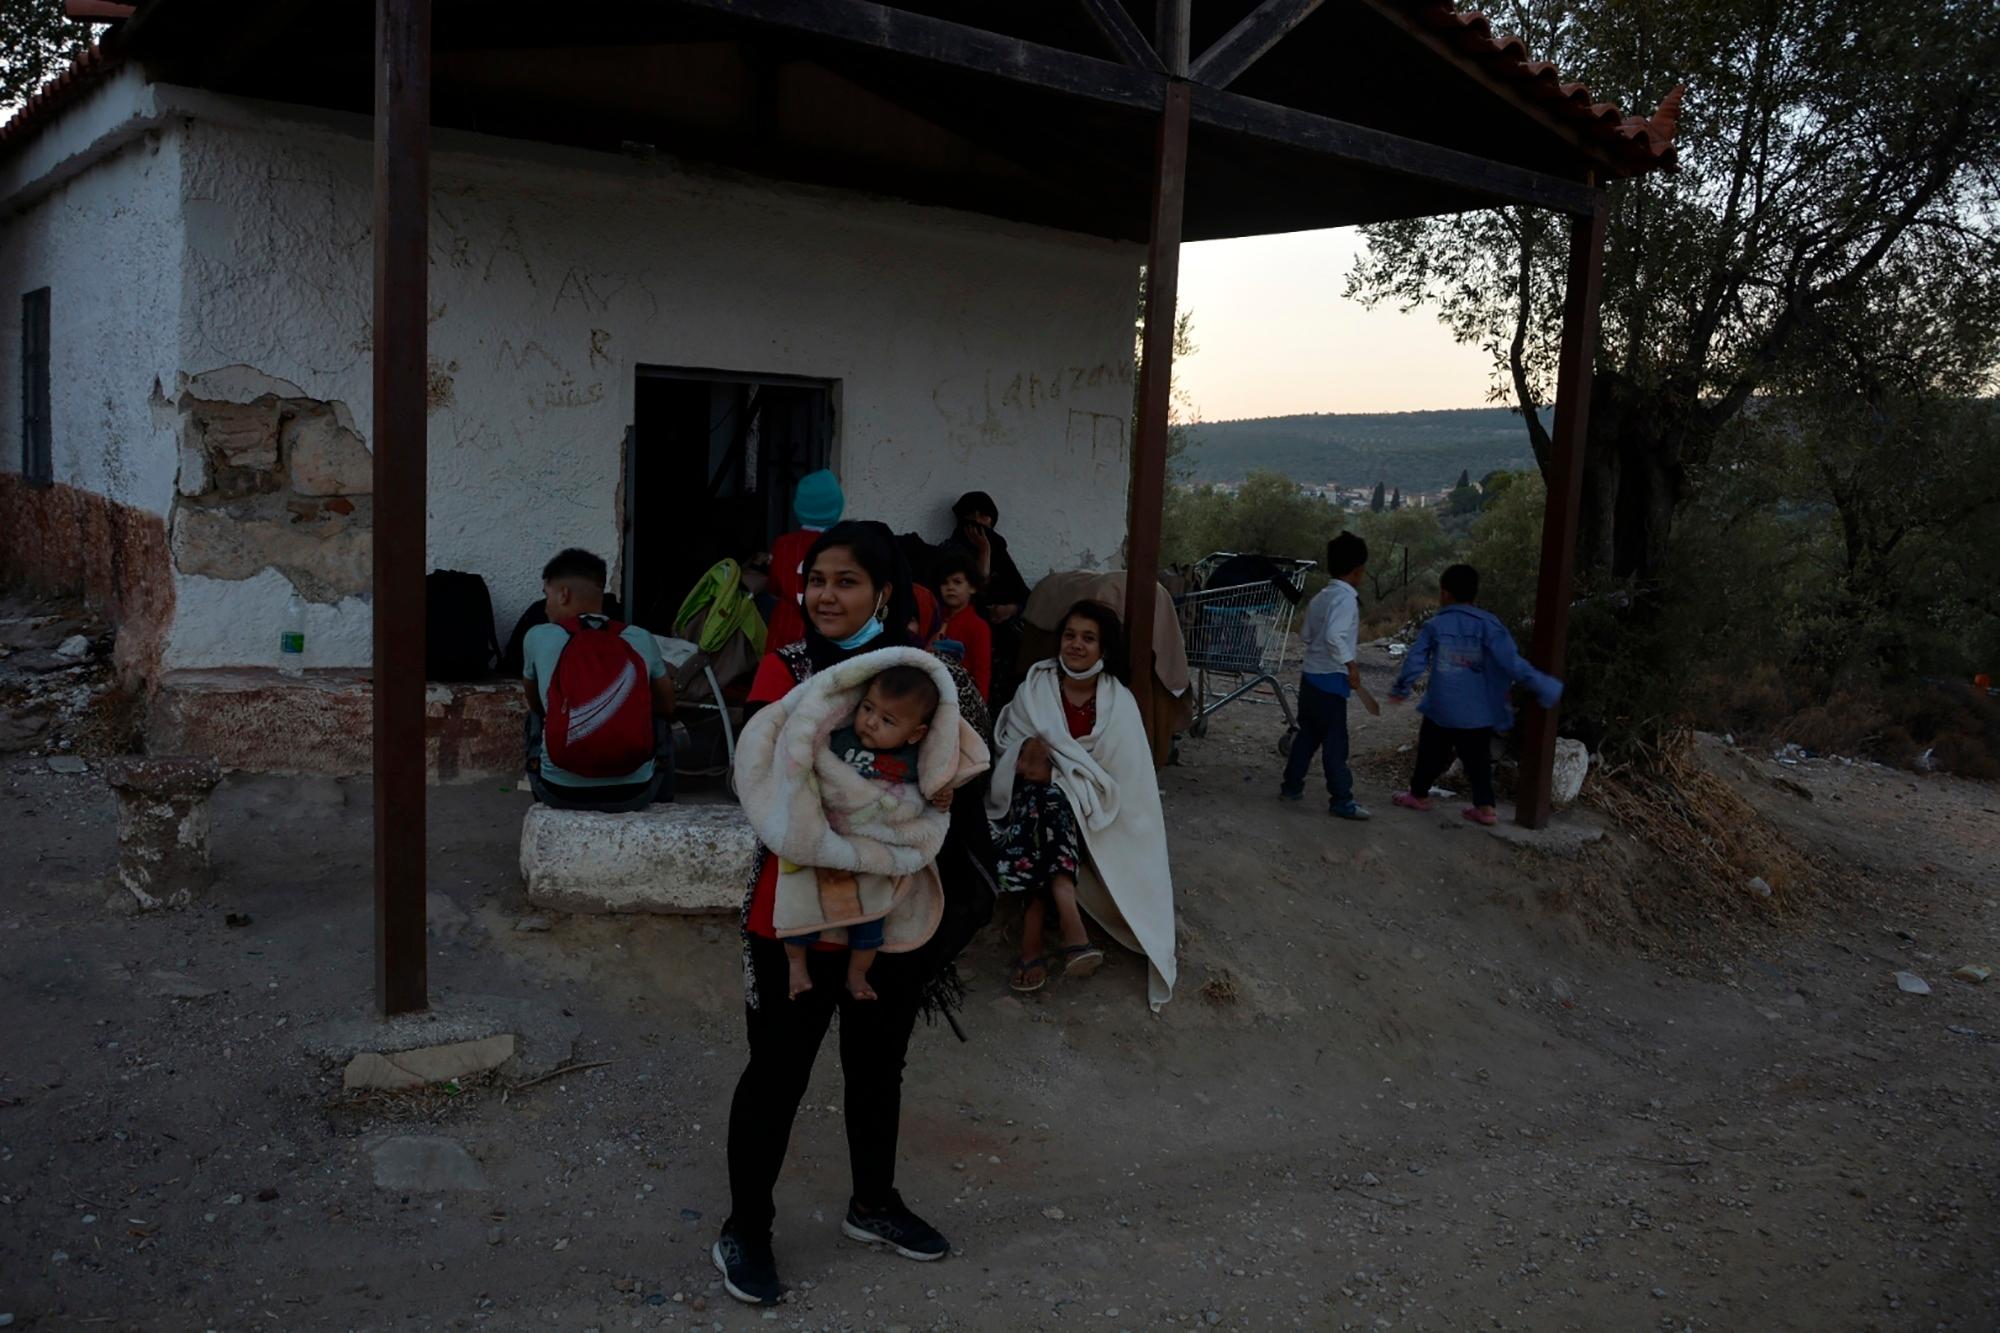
875, 550
975, 502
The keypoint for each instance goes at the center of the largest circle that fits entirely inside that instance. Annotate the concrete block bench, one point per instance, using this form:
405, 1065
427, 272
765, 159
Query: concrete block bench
668, 858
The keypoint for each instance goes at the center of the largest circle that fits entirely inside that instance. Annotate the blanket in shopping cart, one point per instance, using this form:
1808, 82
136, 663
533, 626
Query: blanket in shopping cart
852, 849
1125, 882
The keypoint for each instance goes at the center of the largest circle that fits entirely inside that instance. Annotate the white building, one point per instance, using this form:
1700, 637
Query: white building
601, 326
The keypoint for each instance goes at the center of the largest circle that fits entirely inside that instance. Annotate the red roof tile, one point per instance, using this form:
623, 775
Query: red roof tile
84, 73
1640, 143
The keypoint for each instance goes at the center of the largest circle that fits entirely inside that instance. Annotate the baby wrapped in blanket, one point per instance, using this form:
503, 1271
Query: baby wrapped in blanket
848, 780
880, 744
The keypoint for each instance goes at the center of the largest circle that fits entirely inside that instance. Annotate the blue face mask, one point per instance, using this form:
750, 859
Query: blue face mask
871, 630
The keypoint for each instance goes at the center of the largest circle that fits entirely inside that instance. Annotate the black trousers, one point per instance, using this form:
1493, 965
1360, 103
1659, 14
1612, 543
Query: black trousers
1435, 747
785, 1037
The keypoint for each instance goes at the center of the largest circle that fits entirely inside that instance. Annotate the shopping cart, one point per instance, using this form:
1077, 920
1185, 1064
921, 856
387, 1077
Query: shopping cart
1239, 635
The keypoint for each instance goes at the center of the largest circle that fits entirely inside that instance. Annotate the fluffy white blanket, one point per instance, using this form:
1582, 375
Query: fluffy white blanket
1125, 883
851, 848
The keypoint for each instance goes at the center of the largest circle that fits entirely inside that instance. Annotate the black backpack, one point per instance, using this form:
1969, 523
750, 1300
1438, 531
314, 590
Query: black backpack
459, 638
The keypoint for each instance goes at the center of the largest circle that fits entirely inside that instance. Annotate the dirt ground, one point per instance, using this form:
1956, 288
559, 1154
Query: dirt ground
1412, 1080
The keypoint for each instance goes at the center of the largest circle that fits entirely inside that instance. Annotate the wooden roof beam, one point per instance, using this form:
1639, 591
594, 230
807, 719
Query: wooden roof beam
1243, 45
1392, 154
1123, 34
884, 28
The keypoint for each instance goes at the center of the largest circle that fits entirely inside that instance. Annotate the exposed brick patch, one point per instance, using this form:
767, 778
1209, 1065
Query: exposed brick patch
277, 483
259, 721
59, 539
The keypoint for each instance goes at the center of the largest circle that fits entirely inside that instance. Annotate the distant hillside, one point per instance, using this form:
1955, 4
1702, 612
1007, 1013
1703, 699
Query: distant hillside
1418, 451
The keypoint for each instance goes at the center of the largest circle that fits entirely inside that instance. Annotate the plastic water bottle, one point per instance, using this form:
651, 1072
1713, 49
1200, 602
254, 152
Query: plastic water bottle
292, 638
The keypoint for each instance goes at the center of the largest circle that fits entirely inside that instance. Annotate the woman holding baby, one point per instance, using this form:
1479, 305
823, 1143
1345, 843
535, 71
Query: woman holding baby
858, 602
1076, 810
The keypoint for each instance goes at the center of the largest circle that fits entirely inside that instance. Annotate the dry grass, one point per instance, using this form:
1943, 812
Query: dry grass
429, 1105
1670, 800
1220, 989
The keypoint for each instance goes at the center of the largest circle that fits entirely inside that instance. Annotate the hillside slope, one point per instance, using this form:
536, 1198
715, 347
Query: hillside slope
1418, 451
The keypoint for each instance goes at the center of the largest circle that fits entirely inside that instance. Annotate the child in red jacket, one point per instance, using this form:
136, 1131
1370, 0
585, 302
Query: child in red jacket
958, 582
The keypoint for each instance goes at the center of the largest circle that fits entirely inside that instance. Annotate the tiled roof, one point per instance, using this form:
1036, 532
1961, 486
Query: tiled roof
1640, 143
84, 73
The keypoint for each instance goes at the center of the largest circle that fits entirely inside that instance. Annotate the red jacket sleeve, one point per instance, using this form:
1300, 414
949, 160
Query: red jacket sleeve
772, 682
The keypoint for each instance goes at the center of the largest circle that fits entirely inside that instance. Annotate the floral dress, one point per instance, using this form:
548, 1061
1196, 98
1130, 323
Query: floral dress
1038, 841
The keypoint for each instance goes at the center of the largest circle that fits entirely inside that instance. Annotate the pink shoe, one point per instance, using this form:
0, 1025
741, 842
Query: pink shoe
1479, 816
1410, 801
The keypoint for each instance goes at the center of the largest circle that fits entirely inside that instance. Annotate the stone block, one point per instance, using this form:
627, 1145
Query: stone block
424, 1163
544, 1034
326, 459
427, 1064
669, 858
163, 826
1571, 767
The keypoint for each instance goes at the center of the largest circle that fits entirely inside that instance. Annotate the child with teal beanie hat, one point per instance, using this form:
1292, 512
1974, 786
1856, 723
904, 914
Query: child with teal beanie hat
818, 501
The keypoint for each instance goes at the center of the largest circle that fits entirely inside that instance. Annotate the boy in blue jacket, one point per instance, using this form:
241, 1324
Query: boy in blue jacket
1472, 663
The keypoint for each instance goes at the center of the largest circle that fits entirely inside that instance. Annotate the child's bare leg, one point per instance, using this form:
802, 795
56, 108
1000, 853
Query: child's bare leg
858, 963
1068, 916
1031, 930
795, 960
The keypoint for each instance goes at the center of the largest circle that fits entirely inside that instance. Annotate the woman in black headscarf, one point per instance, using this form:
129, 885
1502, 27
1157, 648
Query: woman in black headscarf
858, 597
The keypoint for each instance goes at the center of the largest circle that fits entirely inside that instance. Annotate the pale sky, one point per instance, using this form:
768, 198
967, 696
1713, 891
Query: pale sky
1275, 337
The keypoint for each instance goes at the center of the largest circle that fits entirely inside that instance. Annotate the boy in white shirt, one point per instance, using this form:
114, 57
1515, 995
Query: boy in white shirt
1333, 623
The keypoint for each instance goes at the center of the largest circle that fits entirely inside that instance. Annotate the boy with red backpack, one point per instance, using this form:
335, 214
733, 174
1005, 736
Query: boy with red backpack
601, 691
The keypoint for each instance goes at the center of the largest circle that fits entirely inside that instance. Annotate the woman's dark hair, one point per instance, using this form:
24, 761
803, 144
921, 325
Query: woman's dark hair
975, 502
1110, 634
951, 562
874, 549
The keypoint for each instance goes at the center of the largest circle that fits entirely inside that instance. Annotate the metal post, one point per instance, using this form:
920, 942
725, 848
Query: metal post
402, 258
1156, 368
1565, 500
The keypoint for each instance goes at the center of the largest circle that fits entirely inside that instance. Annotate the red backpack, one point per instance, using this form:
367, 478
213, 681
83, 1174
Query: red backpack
600, 703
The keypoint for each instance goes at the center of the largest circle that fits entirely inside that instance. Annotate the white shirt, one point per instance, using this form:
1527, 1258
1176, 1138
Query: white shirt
1333, 623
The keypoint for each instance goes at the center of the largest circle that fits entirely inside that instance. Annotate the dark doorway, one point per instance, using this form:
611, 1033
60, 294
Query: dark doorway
710, 468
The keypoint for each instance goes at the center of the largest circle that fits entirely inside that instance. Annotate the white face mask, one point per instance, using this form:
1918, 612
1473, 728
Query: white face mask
1089, 673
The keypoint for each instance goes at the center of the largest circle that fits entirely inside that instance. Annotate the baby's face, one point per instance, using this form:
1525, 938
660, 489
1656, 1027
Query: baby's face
889, 724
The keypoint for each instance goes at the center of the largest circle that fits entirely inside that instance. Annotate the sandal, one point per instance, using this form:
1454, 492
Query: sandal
1037, 968
1080, 960
1481, 816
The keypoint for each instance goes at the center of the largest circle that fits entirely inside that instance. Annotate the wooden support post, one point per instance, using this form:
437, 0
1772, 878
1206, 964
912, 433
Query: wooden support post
1565, 499
1156, 371
1173, 28
402, 271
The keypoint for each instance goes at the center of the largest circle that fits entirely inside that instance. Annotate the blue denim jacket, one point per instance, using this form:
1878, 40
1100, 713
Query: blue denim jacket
1472, 662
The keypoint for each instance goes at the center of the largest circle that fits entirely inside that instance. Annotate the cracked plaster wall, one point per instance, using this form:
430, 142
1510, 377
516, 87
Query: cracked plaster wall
969, 353
107, 247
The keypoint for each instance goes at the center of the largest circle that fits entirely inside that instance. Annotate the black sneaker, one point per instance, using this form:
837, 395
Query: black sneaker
749, 1273
897, 1227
